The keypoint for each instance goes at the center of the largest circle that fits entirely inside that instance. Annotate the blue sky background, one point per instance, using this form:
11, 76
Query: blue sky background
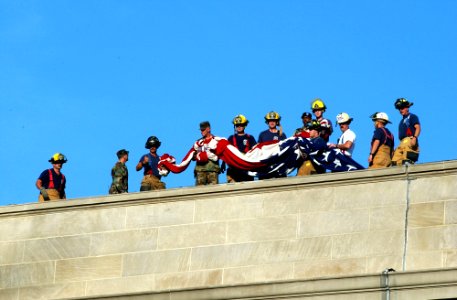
87, 78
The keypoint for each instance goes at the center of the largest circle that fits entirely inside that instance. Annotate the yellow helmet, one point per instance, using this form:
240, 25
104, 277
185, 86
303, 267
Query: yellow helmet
272, 116
58, 158
318, 104
240, 120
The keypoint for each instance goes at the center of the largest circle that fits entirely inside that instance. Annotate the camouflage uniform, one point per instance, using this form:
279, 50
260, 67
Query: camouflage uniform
120, 176
207, 173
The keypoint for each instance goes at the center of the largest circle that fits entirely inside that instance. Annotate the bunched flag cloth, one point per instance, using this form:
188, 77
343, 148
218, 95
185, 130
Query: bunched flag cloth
280, 157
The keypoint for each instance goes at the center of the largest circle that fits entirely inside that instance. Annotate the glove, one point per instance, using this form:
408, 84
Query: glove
212, 156
44, 193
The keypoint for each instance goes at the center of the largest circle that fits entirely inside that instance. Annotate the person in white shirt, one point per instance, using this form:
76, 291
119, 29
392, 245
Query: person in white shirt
346, 142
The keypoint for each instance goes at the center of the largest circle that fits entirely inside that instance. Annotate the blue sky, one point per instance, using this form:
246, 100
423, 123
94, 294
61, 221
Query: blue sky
87, 78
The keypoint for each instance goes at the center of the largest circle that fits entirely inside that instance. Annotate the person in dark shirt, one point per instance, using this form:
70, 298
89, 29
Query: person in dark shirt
382, 142
149, 162
304, 130
52, 182
318, 144
409, 130
318, 107
243, 142
272, 119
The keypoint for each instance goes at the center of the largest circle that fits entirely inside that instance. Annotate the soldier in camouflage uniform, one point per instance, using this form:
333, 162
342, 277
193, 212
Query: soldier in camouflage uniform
207, 167
120, 174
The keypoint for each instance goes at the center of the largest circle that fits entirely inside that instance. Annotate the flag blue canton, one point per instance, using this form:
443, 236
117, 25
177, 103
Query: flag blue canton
292, 152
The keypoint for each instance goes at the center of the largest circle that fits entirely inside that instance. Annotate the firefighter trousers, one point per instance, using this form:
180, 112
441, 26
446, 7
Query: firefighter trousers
405, 151
382, 158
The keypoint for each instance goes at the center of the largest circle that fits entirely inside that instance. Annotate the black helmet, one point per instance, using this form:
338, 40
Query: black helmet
314, 125
121, 153
152, 142
402, 103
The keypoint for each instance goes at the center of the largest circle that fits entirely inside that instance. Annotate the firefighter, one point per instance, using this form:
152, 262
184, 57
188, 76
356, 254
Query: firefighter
346, 142
409, 130
272, 119
52, 182
318, 107
243, 142
149, 161
309, 167
382, 142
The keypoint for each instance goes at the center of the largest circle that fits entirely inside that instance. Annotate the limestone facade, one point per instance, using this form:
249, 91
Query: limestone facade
295, 231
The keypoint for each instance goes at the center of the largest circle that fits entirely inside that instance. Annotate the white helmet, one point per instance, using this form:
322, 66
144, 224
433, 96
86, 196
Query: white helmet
342, 118
380, 116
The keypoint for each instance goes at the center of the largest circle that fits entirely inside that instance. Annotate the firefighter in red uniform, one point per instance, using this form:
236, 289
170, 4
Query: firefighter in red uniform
243, 142
409, 130
382, 142
318, 107
52, 182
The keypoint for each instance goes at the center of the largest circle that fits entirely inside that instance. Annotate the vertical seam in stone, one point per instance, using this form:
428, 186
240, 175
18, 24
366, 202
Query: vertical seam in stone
223, 275
226, 232
297, 233
86, 283
332, 241
157, 239
194, 212
190, 259
405, 244
125, 218
293, 270
122, 266
55, 271
91, 237
370, 212
23, 251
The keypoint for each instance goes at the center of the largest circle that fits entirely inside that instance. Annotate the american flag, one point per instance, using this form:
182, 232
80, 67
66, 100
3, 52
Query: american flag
280, 157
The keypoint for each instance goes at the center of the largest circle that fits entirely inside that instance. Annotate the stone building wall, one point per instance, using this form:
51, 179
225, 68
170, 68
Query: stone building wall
282, 230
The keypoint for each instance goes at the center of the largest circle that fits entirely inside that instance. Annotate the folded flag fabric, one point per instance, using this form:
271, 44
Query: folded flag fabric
268, 157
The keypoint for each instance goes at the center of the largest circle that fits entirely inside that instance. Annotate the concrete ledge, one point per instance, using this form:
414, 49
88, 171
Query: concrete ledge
234, 189
367, 287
